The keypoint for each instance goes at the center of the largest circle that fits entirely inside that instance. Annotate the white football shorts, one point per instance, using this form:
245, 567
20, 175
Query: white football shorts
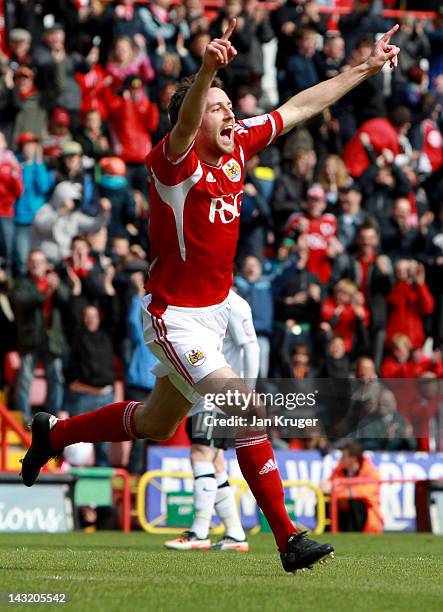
187, 342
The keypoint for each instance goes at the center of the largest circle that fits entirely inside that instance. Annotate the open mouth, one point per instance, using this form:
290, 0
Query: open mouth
226, 134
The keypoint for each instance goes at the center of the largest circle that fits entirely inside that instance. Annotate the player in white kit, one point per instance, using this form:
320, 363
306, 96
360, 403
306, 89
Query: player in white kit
211, 485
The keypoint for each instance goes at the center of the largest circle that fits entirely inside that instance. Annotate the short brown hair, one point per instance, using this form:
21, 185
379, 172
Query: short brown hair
400, 116
182, 89
354, 449
305, 32
300, 349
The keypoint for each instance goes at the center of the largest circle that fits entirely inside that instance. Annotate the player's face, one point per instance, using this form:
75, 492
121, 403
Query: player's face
216, 134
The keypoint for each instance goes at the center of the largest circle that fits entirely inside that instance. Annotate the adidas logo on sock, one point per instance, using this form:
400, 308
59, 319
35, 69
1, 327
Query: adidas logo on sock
269, 466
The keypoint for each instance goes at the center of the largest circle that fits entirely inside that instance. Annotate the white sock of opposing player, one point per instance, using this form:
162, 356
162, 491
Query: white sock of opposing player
226, 508
205, 490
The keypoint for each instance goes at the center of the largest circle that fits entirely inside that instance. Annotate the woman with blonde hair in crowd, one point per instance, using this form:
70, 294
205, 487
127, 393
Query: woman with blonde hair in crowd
333, 176
402, 361
128, 57
344, 314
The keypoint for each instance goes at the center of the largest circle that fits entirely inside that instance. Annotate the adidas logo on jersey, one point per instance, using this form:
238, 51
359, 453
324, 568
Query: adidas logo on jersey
269, 466
210, 178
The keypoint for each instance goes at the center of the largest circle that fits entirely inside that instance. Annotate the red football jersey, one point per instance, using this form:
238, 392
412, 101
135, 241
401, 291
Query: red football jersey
195, 211
317, 237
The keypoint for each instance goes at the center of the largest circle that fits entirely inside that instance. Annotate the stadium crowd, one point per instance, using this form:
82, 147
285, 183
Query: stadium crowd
341, 238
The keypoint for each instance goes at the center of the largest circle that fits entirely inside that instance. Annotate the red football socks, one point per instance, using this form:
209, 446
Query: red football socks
257, 463
112, 423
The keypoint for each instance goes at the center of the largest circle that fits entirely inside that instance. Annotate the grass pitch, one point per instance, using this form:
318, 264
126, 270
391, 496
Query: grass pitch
113, 571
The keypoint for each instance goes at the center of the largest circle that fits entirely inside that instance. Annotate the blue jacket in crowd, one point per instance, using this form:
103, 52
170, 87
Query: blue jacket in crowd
142, 360
123, 211
260, 298
37, 182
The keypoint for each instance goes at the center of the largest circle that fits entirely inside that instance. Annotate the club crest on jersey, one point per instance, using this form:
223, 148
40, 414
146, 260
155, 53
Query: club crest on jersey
232, 170
195, 357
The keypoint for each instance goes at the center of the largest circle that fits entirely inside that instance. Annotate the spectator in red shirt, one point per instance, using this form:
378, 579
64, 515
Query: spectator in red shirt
11, 187
401, 362
373, 275
408, 302
132, 119
345, 315
59, 133
319, 232
383, 134
426, 135
93, 85
128, 58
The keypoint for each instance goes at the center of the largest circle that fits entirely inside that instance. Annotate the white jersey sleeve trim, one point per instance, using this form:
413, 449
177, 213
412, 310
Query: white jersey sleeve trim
274, 129
242, 155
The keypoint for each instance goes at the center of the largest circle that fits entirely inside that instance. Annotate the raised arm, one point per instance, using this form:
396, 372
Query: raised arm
219, 53
314, 100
